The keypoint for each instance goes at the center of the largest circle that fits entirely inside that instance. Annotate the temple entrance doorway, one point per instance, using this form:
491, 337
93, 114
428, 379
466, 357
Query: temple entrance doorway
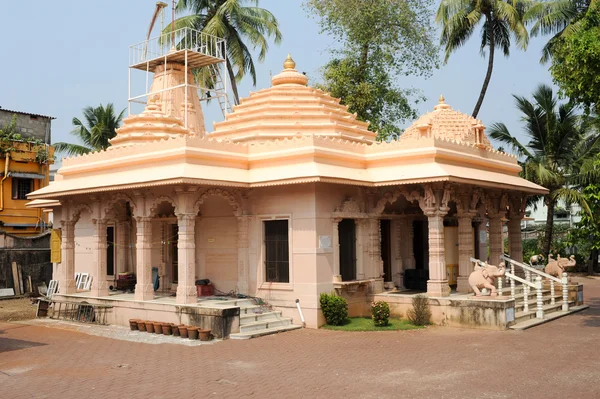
416, 279
386, 248
347, 239
174, 234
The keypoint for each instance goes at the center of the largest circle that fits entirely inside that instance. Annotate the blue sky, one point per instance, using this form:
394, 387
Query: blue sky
60, 56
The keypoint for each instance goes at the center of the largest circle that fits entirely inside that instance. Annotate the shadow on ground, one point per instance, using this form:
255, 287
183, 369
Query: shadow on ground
592, 315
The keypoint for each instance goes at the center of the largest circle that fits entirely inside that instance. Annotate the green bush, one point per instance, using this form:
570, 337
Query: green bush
420, 314
335, 309
380, 312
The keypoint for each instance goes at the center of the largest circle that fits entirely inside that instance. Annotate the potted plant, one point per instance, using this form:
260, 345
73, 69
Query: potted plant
192, 332
158, 327
175, 329
204, 334
133, 324
141, 324
183, 332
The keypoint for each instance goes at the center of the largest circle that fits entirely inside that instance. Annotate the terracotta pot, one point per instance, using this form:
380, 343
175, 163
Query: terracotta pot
166, 328
133, 324
183, 332
193, 332
158, 327
141, 324
204, 334
175, 329
149, 326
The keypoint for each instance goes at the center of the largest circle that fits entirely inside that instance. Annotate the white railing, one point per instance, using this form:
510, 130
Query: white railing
180, 39
528, 270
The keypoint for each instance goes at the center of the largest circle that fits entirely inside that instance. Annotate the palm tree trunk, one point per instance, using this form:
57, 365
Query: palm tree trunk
549, 224
236, 96
488, 75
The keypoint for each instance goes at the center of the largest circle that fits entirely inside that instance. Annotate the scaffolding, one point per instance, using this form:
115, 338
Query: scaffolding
199, 53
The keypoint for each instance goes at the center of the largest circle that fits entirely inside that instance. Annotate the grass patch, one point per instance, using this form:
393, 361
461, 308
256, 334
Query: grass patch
366, 324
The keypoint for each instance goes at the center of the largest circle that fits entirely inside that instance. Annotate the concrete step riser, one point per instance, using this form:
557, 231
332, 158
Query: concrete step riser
265, 325
260, 333
252, 318
532, 312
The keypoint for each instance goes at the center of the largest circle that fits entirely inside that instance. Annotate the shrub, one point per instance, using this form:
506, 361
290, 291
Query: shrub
420, 314
335, 309
380, 312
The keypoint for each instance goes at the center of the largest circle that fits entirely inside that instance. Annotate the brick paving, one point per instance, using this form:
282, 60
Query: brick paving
558, 359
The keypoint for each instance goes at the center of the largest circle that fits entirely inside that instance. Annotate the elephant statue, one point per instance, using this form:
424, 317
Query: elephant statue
567, 263
485, 277
537, 259
554, 268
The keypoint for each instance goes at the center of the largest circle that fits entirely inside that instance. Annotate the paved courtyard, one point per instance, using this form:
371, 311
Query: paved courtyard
559, 359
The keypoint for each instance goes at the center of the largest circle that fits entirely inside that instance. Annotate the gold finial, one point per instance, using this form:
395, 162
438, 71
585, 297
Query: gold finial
289, 62
442, 99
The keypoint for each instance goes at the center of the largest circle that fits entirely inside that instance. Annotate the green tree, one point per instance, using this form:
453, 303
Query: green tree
561, 149
379, 41
100, 126
240, 25
560, 18
502, 20
586, 233
575, 62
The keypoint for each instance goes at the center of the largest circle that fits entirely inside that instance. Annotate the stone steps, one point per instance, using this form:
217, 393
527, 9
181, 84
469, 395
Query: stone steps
250, 318
257, 322
532, 322
267, 331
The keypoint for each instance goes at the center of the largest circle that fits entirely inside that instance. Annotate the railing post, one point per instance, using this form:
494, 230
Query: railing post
565, 292
552, 301
512, 287
525, 297
540, 310
500, 286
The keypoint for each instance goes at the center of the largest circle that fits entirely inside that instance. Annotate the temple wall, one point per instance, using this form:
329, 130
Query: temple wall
84, 232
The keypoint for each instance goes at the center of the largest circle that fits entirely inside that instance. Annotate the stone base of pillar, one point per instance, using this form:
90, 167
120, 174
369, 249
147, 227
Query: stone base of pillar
462, 285
67, 287
99, 288
438, 288
186, 295
144, 292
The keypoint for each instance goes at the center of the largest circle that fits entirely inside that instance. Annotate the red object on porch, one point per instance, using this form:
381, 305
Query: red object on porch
205, 290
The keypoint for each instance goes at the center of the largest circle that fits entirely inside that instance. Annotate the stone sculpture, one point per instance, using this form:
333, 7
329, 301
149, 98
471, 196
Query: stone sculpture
537, 259
567, 263
554, 268
485, 277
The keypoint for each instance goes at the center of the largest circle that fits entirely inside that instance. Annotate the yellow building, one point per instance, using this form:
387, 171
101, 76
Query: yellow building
25, 159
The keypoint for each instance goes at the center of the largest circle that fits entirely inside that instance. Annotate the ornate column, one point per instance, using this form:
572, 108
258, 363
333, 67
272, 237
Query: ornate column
337, 276
496, 241
186, 258
465, 250
99, 246
66, 283
409, 261
144, 289
435, 207
123, 246
243, 244
515, 240
375, 267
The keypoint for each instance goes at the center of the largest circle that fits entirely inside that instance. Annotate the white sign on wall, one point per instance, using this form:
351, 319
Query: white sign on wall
324, 241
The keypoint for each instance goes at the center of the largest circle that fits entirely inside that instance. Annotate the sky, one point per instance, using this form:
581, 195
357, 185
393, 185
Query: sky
60, 56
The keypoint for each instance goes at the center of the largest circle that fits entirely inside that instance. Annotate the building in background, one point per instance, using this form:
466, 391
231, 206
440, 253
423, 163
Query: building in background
25, 159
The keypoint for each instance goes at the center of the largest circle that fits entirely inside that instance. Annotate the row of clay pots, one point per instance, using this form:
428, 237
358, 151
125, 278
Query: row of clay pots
178, 330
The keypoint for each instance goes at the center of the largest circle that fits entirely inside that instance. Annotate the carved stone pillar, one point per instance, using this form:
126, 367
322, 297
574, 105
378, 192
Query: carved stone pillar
437, 285
186, 258
99, 246
374, 237
123, 246
360, 248
144, 289
465, 250
515, 241
243, 244
496, 240
337, 276
409, 260
66, 283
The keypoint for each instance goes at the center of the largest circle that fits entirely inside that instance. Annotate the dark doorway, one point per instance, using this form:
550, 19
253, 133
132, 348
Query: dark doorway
419, 245
347, 236
386, 248
416, 279
174, 253
110, 251
476, 240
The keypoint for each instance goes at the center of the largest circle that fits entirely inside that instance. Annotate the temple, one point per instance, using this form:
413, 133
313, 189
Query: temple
290, 196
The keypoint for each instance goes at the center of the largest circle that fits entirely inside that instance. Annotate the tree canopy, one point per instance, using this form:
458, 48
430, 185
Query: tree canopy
380, 40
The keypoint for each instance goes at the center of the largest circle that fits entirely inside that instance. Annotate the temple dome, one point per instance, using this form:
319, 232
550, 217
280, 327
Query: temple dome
446, 123
290, 108
165, 112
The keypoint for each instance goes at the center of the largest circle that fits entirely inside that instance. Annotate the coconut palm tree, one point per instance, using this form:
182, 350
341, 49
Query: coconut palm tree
100, 126
244, 27
560, 153
502, 20
560, 18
